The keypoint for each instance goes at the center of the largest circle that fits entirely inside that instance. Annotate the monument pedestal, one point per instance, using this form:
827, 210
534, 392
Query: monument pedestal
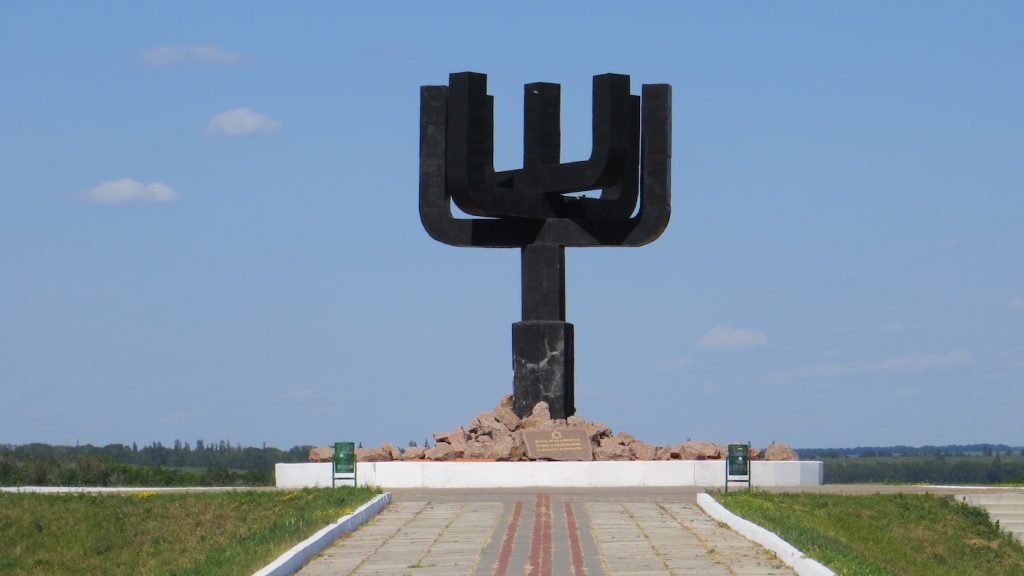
538, 475
542, 353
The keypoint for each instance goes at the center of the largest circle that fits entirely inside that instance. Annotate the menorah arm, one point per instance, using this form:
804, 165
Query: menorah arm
613, 141
535, 191
470, 177
643, 228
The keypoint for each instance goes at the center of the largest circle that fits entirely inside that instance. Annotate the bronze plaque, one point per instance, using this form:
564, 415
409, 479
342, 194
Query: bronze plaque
570, 444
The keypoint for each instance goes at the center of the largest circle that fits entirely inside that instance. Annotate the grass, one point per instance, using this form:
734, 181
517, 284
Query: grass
150, 533
885, 534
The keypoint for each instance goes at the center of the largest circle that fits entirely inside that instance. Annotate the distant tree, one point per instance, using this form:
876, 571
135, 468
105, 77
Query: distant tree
996, 472
7, 467
39, 470
218, 476
95, 470
426, 442
412, 443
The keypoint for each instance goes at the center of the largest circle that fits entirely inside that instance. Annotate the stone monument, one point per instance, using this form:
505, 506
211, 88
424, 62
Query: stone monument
533, 208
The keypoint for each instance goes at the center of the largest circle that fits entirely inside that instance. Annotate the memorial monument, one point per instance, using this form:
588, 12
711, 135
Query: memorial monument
534, 208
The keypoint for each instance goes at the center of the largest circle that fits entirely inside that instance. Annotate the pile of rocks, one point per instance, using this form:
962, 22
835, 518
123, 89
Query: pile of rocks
498, 436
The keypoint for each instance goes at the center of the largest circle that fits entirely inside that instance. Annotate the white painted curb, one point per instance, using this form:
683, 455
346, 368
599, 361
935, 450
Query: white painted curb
785, 551
291, 561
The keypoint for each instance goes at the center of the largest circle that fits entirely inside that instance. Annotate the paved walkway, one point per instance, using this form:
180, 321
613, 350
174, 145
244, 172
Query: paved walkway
551, 533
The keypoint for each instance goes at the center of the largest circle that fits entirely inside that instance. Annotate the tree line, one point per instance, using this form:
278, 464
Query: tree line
183, 464
877, 451
935, 469
225, 464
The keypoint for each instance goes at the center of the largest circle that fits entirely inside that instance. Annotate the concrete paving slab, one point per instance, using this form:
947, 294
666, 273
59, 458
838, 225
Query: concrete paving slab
543, 533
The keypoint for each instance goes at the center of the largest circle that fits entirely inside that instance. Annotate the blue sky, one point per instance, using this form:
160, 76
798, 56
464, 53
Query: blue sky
210, 228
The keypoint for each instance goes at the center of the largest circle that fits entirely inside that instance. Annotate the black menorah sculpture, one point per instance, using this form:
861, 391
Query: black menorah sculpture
532, 208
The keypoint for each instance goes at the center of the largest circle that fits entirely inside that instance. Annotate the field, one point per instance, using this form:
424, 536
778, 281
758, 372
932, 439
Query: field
150, 533
885, 534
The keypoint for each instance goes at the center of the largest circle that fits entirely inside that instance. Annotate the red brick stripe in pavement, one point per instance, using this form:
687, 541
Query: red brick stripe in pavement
510, 538
540, 544
578, 568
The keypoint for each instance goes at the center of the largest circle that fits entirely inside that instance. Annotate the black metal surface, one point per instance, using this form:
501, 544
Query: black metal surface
530, 209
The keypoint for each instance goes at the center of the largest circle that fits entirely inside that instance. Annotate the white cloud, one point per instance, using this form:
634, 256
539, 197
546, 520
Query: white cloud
673, 363
128, 190
1017, 303
168, 55
729, 338
242, 122
912, 363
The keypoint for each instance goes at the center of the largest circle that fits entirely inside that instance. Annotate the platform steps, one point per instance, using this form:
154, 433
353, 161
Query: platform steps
1006, 507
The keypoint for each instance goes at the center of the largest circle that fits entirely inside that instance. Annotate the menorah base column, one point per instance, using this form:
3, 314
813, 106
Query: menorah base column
542, 357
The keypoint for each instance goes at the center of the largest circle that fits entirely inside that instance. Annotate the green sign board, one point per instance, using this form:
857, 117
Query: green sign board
344, 461
344, 457
739, 465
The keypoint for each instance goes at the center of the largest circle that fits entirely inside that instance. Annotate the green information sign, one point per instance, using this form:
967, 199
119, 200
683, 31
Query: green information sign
344, 461
737, 464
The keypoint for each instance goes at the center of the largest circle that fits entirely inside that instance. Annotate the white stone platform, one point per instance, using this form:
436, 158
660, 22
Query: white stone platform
424, 474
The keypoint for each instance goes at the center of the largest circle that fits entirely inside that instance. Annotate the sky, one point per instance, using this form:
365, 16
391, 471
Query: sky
210, 230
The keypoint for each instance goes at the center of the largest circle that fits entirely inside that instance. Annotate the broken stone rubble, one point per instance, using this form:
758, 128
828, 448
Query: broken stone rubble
497, 436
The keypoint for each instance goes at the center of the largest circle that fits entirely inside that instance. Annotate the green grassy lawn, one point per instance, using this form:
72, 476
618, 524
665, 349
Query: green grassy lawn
149, 533
885, 534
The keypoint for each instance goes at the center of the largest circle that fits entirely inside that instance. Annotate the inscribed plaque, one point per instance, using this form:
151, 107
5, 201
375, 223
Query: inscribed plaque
568, 444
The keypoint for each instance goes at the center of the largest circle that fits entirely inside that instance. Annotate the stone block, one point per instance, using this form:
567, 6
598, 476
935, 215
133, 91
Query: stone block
612, 451
413, 453
441, 451
324, 454
644, 451
377, 454
542, 354
780, 452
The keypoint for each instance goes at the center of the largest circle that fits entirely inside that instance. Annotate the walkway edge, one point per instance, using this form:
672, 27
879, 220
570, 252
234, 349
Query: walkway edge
293, 560
785, 551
